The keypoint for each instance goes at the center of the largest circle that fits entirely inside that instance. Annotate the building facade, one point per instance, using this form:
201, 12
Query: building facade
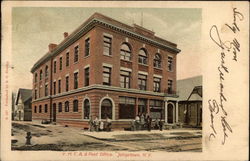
106, 69
22, 108
190, 101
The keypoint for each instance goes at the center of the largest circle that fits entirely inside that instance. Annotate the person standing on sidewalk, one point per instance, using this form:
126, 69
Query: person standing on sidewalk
96, 124
149, 122
161, 124
91, 124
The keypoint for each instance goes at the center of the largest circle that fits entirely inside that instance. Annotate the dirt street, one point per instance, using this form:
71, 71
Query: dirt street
59, 138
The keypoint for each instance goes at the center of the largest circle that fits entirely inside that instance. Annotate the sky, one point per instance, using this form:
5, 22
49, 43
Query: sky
33, 28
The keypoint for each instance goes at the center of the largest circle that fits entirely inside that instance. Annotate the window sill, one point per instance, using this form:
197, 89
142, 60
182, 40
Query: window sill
146, 65
126, 60
85, 57
157, 68
108, 55
170, 71
75, 62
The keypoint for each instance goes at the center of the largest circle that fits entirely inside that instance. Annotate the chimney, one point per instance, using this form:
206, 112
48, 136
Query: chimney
66, 34
52, 46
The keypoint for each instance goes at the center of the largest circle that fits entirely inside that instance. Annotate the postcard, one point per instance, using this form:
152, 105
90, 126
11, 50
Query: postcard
124, 80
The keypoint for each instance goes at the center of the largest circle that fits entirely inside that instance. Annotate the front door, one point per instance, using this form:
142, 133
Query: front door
54, 112
170, 113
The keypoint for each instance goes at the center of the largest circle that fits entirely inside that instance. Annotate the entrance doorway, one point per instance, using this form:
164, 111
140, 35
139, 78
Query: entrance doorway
106, 109
170, 113
54, 112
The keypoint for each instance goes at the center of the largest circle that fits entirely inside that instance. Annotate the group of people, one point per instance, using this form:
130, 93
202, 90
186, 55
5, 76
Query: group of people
145, 122
99, 125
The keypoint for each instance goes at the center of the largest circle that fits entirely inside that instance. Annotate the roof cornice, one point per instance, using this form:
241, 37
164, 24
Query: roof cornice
95, 21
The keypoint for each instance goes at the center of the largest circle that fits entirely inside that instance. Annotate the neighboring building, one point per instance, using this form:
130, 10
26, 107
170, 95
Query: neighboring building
106, 69
190, 101
23, 111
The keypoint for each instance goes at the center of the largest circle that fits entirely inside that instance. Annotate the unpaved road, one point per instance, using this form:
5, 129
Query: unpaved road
59, 138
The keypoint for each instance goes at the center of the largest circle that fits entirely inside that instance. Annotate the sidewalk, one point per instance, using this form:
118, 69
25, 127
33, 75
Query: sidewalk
145, 135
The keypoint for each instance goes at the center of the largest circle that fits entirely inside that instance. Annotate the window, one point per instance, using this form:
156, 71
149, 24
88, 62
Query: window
156, 109
59, 86
54, 85
106, 109
126, 108
60, 107
40, 108
86, 73
66, 106
40, 89
170, 63
125, 79
67, 59
67, 83
35, 109
35, 77
142, 82
170, 86
86, 109
87, 48
75, 105
76, 80
76, 53
157, 61
107, 45
46, 90
157, 84
142, 106
54, 66
143, 59
41, 74
60, 66
35, 93
106, 76
46, 71
125, 52
45, 108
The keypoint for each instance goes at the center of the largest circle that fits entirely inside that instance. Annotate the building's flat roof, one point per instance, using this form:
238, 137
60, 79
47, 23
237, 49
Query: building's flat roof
99, 19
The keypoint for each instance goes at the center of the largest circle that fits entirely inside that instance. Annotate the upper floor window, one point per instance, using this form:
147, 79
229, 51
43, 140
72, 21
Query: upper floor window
41, 74
40, 108
59, 86
125, 79
67, 83
35, 77
35, 93
107, 42
170, 86
75, 105
54, 87
46, 71
76, 53
35, 109
86, 74
143, 57
67, 59
157, 84
170, 63
66, 106
142, 82
76, 80
106, 76
157, 61
46, 90
60, 107
54, 66
45, 108
60, 65
125, 52
87, 47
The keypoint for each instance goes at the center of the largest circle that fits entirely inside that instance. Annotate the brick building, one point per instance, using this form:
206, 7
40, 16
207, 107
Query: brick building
106, 69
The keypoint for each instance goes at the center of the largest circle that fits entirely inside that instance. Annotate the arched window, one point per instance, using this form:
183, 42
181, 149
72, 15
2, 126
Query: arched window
125, 52
35, 77
75, 106
35, 109
157, 61
60, 107
41, 74
143, 57
46, 71
86, 109
66, 106
106, 109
